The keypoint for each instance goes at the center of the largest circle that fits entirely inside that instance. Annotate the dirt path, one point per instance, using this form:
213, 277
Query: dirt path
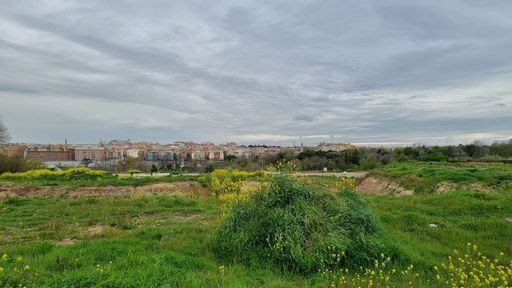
188, 188
335, 174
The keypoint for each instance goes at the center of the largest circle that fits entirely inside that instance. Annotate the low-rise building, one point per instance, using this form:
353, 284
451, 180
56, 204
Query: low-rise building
216, 155
113, 154
132, 153
152, 156
167, 155
13, 149
89, 153
49, 155
198, 155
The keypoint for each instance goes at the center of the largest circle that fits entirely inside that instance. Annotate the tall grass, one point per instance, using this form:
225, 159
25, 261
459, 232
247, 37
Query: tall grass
294, 228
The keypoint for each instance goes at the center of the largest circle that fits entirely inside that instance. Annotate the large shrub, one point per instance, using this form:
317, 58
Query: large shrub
293, 228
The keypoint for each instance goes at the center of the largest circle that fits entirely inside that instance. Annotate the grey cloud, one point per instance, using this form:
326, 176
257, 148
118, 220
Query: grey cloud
195, 70
306, 118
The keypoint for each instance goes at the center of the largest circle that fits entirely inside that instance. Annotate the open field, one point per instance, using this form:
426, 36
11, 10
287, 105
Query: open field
163, 240
434, 177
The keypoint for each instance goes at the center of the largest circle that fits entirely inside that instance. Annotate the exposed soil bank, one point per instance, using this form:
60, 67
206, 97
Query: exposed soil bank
188, 188
381, 185
375, 184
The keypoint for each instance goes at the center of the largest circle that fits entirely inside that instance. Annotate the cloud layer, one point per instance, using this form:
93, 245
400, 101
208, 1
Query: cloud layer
249, 71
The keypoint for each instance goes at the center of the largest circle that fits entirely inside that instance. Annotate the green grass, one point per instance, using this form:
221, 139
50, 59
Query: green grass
164, 241
142, 242
422, 177
461, 217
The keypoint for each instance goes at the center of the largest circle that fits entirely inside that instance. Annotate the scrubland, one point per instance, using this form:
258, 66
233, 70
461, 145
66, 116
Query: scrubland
256, 230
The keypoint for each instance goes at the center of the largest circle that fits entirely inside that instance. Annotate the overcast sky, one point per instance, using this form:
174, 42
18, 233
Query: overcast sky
396, 71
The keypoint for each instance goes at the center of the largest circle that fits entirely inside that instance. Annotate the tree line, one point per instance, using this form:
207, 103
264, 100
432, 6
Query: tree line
364, 158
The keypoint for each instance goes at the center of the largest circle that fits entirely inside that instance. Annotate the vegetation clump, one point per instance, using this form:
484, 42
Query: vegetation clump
292, 227
14, 272
16, 164
226, 181
346, 183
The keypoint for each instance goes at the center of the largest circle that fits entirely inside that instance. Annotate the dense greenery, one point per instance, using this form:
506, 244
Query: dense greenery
370, 158
294, 228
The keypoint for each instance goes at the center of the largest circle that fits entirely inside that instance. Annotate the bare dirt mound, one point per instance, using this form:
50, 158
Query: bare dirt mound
188, 188
381, 185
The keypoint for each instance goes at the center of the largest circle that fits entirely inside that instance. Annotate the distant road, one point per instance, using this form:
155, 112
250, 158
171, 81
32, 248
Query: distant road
155, 174
335, 174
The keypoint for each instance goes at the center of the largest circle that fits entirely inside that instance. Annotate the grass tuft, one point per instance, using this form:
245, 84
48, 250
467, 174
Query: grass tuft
293, 228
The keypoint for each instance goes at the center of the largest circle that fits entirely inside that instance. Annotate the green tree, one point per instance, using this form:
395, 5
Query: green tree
154, 169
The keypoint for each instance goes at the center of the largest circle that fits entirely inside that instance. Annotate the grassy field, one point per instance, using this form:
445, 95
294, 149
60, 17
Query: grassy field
163, 241
423, 177
102, 242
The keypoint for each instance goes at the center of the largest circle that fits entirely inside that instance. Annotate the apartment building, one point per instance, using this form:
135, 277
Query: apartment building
13, 149
92, 153
51, 156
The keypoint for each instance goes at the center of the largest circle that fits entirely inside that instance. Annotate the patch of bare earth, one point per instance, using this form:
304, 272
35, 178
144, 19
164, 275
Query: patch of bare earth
67, 242
445, 187
95, 231
187, 188
380, 185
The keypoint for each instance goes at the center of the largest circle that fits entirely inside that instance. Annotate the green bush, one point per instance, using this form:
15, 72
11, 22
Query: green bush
293, 228
222, 179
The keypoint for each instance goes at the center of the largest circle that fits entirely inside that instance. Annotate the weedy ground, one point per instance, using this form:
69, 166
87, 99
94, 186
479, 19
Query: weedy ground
425, 177
106, 180
163, 241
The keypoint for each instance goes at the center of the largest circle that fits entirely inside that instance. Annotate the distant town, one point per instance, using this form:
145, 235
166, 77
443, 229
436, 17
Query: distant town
177, 154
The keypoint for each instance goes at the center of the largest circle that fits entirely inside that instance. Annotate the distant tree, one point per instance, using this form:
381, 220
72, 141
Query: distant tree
230, 158
154, 169
470, 149
4, 134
